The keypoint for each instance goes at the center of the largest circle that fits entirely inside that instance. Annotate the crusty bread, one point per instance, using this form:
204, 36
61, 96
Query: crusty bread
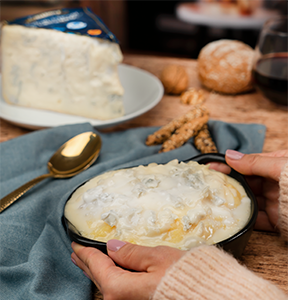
225, 66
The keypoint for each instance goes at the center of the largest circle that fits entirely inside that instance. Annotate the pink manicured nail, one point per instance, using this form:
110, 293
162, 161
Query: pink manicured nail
232, 154
115, 245
74, 261
86, 275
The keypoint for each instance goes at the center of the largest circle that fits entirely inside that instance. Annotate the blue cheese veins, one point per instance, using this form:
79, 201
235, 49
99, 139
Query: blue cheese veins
67, 73
178, 204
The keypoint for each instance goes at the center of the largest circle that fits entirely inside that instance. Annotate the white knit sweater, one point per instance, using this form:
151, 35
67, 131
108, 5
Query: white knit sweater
207, 272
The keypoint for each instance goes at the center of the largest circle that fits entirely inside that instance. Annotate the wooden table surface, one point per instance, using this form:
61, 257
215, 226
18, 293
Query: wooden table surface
266, 254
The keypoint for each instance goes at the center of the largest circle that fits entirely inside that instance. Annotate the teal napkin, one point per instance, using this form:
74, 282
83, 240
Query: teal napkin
34, 248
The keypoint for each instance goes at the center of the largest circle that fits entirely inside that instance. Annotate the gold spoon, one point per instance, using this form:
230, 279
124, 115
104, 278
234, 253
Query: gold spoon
76, 155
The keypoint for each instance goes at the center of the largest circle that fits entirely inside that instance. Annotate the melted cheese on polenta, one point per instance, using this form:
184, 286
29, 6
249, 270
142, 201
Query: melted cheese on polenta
178, 204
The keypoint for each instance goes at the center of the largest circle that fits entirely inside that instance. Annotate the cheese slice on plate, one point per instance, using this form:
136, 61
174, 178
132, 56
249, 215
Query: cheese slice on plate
67, 73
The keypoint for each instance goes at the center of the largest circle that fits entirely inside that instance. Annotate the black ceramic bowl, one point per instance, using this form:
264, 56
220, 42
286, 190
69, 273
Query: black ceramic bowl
234, 244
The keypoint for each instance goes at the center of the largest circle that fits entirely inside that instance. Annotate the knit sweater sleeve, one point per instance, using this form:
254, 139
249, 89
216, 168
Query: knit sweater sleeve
283, 203
206, 272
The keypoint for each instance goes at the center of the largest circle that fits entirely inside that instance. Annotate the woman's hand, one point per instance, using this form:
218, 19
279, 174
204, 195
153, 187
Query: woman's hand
117, 283
262, 172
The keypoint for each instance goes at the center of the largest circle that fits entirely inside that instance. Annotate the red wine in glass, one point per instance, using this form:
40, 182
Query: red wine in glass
270, 75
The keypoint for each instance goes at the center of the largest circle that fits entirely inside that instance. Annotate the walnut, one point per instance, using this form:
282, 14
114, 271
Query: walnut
174, 79
193, 96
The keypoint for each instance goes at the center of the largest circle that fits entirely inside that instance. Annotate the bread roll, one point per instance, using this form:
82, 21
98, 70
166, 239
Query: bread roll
225, 66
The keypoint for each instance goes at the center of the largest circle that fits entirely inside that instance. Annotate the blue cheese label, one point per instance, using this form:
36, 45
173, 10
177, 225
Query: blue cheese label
81, 21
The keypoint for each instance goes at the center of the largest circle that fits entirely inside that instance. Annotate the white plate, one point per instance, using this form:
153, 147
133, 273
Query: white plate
212, 14
143, 91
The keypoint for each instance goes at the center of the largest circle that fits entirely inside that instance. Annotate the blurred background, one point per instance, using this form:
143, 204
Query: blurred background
167, 28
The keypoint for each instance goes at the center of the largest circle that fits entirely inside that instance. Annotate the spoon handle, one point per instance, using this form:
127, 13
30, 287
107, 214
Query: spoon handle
13, 196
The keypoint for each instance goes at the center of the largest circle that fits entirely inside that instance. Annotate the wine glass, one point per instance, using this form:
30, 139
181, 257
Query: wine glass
270, 66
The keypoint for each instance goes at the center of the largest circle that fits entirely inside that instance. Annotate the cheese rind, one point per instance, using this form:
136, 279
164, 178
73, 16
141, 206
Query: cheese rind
67, 73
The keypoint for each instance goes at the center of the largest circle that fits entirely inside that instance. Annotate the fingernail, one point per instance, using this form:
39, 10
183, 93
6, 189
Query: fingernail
232, 154
115, 245
86, 275
74, 261
76, 246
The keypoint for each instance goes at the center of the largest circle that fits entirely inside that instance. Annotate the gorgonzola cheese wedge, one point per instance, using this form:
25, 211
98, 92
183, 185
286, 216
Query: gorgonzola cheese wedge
66, 73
